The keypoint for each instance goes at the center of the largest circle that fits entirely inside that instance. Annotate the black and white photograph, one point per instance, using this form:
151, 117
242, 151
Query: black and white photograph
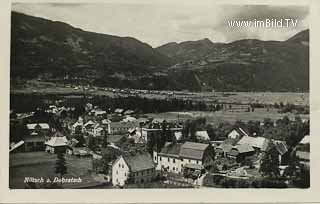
159, 96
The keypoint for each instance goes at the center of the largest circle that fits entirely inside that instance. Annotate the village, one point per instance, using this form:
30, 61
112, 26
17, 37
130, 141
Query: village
124, 148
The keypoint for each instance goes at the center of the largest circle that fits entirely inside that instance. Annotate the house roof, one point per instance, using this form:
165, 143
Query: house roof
194, 166
303, 155
305, 140
139, 162
16, 145
57, 141
202, 134
178, 135
34, 139
224, 147
257, 142
58, 134
193, 150
231, 141
90, 122
281, 146
240, 131
123, 125
171, 149
243, 148
42, 125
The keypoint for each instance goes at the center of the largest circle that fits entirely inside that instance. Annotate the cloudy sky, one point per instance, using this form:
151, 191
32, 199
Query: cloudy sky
157, 24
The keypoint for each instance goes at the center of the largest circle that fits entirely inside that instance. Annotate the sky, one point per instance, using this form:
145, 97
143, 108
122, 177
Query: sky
158, 24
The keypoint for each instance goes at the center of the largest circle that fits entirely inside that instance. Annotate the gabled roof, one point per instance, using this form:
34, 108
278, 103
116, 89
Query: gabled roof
58, 134
243, 148
178, 135
193, 150
257, 142
16, 145
171, 150
281, 146
57, 141
224, 147
90, 122
202, 134
240, 131
139, 162
42, 125
305, 140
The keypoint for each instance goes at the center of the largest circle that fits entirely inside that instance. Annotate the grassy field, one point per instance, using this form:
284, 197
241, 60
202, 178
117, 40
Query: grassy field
42, 164
225, 116
219, 97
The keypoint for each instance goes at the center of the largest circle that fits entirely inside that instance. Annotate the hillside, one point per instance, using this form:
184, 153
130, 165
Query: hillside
245, 65
44, 47
55, 51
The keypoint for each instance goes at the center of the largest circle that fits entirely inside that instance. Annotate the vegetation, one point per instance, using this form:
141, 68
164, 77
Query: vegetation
61, 167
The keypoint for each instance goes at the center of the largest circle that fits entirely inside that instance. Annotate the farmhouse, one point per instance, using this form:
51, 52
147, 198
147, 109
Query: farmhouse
237, 133
133, 169
240, 152
57, 143
37, 136
178, 157
259, 144
120, 127
154, 129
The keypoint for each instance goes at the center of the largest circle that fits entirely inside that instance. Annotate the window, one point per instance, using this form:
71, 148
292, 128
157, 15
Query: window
182, 160
119, 165
189, 161
155, 158
168, 159
174, 161
125, 174
117, 172
160, 158
122, 166
197, 162
174, 169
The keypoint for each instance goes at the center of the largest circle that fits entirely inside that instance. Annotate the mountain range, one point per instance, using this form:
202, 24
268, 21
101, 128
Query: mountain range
55, 51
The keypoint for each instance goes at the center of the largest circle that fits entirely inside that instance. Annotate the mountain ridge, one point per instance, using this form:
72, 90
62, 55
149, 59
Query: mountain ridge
53, 50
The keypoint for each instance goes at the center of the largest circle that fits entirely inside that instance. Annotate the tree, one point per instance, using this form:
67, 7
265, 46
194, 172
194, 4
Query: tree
105, 139
92, 143
293, 167
61, 167
270, 163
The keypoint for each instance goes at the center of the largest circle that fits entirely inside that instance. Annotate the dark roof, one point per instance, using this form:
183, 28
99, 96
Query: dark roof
193, 150
171, 149
139, 162
34, 139
224, 147
242, 148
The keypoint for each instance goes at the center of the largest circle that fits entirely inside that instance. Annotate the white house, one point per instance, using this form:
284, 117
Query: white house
57, 143
133, 169
177, 157
202, 135
237, 133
